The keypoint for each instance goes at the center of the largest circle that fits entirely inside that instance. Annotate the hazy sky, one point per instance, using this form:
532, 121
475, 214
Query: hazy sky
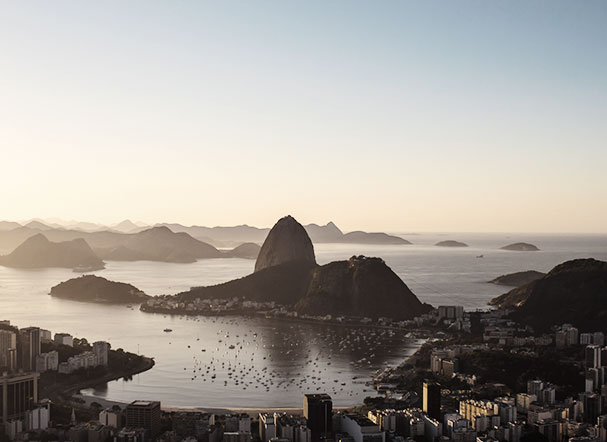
455, 115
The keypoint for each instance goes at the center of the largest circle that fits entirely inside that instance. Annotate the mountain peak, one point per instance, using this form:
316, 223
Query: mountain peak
287, 241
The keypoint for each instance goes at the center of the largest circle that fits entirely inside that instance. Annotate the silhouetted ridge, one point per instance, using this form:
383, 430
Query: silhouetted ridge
360, 286
573, 292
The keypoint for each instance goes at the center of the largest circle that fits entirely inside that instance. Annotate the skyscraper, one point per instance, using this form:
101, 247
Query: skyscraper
432, 399
28, 347
18, 394
144, 414
318, 410
8, 350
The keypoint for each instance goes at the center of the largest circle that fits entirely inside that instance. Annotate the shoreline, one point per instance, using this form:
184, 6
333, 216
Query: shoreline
253, 411
70, 390
311, 321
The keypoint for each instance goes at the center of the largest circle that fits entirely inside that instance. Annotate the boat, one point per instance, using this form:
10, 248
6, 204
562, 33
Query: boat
168, 330
480, 256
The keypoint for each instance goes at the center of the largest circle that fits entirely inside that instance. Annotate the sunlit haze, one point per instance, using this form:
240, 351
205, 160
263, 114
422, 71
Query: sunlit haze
396, 116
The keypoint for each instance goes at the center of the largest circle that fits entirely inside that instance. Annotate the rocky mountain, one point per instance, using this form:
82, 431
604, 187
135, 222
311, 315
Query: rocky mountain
286, 272
37, 252
286, 242
521, 247
574, 292
451, 243
360, 286
284, 283
518, 279
91, 288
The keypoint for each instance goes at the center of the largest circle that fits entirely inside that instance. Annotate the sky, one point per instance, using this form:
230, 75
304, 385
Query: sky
476, 116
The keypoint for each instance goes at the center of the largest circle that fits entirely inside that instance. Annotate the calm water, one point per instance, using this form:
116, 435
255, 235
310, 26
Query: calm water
272, 363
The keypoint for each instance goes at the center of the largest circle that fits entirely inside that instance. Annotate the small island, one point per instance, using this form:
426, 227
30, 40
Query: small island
91, 288
521, 247
518, 279
451, 243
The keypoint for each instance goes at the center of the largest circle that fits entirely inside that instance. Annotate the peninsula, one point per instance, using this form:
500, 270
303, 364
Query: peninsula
286, 273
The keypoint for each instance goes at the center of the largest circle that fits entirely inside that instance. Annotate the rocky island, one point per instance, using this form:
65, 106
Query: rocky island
521, 247
518, 279
451, 243
286, 273
91, 288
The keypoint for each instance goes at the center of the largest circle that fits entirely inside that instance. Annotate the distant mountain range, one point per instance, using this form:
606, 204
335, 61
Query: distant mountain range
37, 251
329, 233
107, 237
75, 249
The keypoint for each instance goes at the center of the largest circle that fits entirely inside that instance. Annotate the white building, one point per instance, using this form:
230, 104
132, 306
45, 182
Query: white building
64, 339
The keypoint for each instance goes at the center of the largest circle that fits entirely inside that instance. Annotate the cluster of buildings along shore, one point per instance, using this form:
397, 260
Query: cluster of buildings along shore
270, 309
442, 414
21, 350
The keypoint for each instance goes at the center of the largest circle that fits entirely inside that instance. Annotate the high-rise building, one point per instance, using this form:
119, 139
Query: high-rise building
476, 325
28, 347
101, 350
432, 400
144, 414
318, 410
593, 355
8, 350
267, 427
18, 395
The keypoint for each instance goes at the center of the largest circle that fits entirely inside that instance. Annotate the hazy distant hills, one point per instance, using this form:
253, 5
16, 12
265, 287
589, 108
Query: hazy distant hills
111, 242
329, 233
37, 252
286, 272
574, 292
154, 244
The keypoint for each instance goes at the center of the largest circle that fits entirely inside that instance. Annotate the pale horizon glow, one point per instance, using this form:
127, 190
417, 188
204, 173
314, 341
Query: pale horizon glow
395, 116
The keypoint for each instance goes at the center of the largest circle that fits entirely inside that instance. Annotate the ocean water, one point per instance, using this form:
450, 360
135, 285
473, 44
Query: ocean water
244, 362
